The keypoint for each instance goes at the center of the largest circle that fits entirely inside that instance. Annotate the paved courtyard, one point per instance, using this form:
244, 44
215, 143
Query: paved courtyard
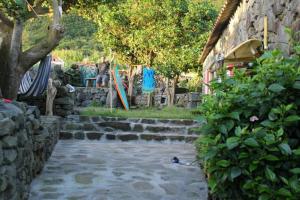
93, 170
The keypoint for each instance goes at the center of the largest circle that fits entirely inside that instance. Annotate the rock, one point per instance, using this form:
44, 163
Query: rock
73, 126
128, 137
124, 126
10, 156
84, 178
142, 186
148, 121
95, 119
1, 154
182, 122
176, 137
190, 139
149, 137
9, 142
3, 183
110, 136
64, 101
157, 129
7, 127
83, 118
138, 128
89, 127
108, 129
65, 135
79, 135
94, 135
170, 188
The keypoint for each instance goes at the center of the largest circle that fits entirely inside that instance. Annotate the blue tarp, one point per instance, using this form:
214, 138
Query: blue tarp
148, 80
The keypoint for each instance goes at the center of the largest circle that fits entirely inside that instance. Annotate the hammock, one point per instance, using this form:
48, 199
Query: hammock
36, 87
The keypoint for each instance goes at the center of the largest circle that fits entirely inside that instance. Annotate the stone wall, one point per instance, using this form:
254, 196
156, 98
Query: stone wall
187, 100
248, 23
26, 142
86, 96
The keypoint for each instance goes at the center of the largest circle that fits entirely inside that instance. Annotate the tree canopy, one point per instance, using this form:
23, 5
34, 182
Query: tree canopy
168, 34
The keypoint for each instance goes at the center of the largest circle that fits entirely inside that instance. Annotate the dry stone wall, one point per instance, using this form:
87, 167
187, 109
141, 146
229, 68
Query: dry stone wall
248, 23
26, 142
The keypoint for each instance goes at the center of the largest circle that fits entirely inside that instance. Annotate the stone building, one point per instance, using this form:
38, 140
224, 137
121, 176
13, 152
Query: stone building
250, 25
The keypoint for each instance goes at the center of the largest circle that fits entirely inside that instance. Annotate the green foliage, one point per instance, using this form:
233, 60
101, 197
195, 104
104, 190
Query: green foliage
79, 41
167, 34
251, 138
165, 113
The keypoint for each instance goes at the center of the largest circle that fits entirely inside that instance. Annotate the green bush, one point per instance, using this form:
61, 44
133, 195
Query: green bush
250, 146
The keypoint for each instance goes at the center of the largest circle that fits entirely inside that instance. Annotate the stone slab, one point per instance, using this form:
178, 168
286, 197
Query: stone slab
89, 169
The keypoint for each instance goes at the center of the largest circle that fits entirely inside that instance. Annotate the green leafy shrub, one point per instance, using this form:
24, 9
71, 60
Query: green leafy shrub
251, 132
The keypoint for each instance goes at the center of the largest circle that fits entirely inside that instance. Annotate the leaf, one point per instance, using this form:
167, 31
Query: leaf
238, 131
211, 153
295, 171
229, 125
284, 192
232, 142
251, 142
235, 172
284, 180
285, 149
201, 120
267, 123
223, 163
212, 183
223, 129
270, 174
271, 158
264, 197
243, 155
275, 87
296, 85
294, 184
297, 152
263, 188
249, 185
235, 115
252, 167
280, 132
272, 116
292, 118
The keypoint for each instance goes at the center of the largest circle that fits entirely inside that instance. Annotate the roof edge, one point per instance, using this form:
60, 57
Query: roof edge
228, 10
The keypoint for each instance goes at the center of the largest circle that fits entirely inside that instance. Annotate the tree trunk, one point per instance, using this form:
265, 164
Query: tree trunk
51, 93
171, 91
13, 62
131, 75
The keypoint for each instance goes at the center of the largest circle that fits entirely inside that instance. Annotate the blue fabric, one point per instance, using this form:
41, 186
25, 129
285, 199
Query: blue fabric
148, 80
87, 72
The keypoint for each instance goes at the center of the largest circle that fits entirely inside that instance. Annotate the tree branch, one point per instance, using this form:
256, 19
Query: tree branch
55, 34
6, 21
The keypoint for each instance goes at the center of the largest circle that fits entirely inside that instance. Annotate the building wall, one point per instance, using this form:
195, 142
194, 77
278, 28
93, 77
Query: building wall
248, 23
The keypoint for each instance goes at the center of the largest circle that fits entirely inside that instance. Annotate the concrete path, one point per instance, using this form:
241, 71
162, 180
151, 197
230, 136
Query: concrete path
93, 170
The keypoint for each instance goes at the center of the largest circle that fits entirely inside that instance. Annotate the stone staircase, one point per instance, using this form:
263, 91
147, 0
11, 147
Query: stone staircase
128, 129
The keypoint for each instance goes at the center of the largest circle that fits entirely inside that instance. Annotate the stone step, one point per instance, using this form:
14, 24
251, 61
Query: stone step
97, 119
110, 126
124, 136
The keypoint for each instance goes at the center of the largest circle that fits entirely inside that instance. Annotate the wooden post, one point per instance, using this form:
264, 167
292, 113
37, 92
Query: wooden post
110, 85
266, 32
51, 93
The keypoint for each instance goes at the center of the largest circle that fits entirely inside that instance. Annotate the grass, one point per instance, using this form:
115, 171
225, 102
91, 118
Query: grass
165, 113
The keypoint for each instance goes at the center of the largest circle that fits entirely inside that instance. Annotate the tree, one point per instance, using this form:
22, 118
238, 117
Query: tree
79, 42
167, 34
14, 62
